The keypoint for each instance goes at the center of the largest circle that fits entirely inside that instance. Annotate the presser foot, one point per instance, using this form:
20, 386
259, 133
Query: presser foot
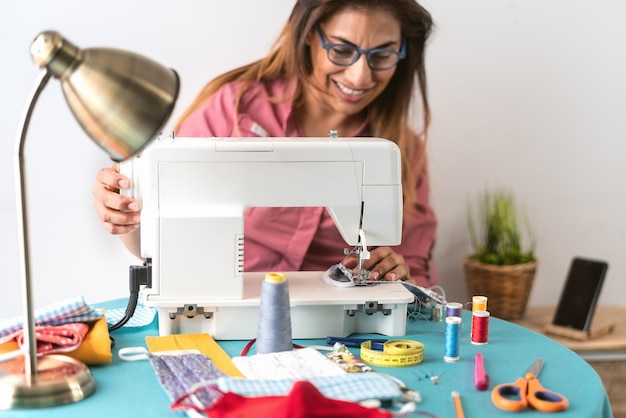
340, 276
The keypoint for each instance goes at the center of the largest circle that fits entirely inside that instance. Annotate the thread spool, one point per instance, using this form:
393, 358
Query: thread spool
479, 303
480, 327
436, 314
454, 309
451, 346
274, 330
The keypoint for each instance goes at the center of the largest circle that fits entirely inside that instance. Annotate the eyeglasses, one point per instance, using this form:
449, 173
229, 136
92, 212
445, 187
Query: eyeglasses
378, 59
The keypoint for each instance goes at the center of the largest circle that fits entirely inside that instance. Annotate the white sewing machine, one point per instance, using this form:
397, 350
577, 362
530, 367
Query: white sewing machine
194, 192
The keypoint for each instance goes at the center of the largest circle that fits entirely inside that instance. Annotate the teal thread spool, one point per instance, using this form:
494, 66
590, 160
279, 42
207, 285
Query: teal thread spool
274, 330
451, 345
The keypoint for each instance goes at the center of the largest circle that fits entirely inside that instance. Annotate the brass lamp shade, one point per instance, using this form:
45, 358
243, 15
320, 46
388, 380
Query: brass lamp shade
121, 99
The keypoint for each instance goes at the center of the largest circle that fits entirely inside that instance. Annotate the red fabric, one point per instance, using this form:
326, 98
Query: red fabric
54, 338
303, 401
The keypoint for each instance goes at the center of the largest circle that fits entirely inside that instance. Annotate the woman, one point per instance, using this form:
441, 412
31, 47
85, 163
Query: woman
345, 65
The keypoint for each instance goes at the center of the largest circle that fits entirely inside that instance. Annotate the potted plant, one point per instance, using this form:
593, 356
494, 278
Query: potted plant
502, 265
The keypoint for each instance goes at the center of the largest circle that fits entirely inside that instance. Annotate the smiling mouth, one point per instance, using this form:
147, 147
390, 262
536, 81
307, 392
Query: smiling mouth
349, 91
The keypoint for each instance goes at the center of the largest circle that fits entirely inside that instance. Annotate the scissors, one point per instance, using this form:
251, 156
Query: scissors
377, 344
527, 390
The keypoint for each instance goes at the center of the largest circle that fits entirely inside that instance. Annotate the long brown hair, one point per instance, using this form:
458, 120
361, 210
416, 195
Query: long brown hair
389, 112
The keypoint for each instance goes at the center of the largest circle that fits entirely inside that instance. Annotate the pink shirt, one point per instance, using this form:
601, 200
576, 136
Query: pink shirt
305, 239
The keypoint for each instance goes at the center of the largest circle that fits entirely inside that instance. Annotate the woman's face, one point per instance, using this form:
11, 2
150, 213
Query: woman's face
349, 90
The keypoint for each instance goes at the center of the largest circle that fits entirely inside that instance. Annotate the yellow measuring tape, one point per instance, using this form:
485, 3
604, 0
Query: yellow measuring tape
396, 353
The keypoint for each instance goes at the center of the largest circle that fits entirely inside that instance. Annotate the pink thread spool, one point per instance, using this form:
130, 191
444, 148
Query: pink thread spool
480, 327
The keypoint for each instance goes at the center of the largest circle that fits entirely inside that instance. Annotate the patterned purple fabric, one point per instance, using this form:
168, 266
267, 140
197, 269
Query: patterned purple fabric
179, 374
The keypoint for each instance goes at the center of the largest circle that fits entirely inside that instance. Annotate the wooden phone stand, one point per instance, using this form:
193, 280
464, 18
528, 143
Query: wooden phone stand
578, 334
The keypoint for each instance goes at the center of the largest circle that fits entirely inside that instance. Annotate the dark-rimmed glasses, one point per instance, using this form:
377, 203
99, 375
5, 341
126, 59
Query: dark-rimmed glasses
378, 59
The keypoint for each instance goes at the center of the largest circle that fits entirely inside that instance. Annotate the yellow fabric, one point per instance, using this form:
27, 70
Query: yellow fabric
9, 346
201, 342
95, 348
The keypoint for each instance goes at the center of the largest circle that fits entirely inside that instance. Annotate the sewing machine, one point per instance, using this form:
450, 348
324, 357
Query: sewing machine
194, 192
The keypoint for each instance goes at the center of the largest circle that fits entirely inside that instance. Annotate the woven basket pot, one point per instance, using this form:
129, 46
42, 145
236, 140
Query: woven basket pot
507, 287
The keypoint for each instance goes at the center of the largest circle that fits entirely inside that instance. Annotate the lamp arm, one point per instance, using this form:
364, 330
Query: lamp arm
30, 344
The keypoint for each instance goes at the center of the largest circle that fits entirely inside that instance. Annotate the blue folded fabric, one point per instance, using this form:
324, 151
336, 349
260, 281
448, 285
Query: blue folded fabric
59, 313
143, 315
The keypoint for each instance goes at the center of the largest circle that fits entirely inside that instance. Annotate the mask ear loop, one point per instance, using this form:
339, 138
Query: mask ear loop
133, 353
11, 355
141, 353
249, 344
194, 403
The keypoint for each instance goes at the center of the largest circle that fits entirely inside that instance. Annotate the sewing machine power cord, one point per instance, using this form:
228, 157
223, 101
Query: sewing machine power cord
137, 276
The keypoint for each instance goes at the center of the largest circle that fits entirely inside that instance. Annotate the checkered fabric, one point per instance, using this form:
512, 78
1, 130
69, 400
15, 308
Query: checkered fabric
142, 316
354, 387
64, 312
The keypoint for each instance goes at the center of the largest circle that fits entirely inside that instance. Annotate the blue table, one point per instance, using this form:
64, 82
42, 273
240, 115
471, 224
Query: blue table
130, 389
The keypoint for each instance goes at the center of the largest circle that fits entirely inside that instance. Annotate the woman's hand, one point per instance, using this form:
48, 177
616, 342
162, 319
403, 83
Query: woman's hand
119, 214
383, 264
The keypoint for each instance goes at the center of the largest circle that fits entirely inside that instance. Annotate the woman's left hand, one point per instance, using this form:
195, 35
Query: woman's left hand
383, 264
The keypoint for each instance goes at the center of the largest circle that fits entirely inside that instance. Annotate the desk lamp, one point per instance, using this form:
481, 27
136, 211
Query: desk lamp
122, 100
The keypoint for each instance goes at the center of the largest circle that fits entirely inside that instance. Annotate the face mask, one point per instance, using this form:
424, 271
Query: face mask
193, 382
181, 373
303, 401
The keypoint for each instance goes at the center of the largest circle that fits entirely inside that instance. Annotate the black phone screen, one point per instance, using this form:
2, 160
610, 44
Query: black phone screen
580, 293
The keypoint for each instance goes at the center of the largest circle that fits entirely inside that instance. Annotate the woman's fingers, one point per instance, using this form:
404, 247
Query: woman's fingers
119, 214
383, 264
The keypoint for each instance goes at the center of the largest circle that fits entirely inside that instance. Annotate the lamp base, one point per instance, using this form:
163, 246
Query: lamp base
60, 380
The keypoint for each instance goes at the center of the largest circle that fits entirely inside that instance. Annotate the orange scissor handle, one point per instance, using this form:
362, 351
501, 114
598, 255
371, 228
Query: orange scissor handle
511, 396
542, 399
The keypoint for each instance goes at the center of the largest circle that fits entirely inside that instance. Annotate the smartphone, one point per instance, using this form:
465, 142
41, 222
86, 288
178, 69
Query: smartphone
580, 294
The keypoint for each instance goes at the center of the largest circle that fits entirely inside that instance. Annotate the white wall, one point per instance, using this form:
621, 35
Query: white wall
531, 95
526, 94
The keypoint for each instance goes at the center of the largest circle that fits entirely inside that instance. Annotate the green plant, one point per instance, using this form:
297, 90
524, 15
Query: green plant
496, 232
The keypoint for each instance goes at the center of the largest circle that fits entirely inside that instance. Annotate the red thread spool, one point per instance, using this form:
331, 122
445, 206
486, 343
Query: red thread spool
480, 327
